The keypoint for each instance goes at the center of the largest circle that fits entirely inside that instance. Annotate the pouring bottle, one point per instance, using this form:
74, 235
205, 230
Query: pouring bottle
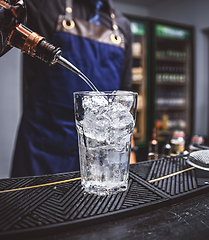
13, 33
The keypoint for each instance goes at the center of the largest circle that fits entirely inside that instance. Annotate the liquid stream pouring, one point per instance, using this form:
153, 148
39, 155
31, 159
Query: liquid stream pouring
13, 33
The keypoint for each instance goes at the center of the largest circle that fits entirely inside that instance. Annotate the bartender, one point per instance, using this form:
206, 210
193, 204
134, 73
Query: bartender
95, 38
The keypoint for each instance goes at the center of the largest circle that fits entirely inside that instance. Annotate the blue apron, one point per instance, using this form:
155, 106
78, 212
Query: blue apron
47, 138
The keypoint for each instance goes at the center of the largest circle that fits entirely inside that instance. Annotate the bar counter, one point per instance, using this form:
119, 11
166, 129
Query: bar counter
166, 199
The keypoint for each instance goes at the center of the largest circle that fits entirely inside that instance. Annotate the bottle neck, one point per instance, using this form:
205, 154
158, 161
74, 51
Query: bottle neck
23, 38
33, 44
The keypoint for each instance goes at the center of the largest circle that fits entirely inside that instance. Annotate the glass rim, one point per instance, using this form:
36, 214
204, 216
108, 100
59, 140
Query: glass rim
106, 93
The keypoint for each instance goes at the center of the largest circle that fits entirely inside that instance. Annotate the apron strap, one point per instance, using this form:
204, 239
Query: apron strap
69, 23
69, 10
112, 15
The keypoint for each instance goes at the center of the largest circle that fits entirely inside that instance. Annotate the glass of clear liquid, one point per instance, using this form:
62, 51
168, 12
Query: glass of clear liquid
105, 122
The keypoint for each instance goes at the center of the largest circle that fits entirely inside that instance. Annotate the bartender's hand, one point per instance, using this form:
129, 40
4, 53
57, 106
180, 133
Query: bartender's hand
133, 155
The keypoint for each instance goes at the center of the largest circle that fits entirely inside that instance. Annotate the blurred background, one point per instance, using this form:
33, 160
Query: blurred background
170, 74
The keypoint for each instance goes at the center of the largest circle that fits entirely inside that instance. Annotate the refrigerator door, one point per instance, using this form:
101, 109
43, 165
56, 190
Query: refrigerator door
140, 76
172, 79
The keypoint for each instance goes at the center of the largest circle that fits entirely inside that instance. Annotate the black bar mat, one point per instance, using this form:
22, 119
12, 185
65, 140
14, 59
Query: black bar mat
64, 205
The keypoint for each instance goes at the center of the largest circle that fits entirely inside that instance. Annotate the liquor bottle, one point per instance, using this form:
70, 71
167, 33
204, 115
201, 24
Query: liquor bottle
178, 142
195, 143
14, 34
167, 147
153, 147
10, 16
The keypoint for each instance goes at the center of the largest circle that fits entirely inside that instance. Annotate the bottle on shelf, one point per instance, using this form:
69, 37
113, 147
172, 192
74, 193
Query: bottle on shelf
165, 122
171, 98
153, 147
198, 140
178, 142
167, 147
172, 53
136, 49
170, 74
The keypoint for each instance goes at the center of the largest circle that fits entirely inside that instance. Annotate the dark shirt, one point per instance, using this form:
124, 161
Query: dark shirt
42, 18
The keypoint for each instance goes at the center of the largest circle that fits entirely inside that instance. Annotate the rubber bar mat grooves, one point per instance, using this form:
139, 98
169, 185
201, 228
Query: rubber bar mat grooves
65, 204
175, 185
